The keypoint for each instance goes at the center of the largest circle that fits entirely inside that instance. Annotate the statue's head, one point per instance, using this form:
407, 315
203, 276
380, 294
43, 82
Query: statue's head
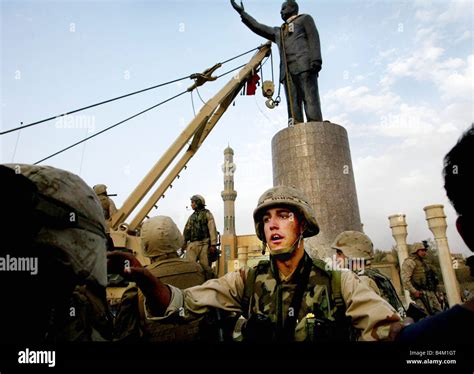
289, 8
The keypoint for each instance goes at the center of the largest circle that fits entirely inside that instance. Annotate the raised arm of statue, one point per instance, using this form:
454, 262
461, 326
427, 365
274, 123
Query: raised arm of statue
264, 31
238, 8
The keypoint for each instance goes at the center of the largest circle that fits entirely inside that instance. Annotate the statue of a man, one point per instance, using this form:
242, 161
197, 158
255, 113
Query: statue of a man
300, 58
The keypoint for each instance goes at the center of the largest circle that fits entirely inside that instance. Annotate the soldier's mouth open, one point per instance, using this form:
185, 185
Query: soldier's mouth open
276, 238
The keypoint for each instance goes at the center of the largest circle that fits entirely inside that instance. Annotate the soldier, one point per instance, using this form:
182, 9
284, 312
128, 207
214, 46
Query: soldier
355, 250
456, 324
108, 206
200, 234
420, 279
300, 58
161, 239
57, 243
289, 298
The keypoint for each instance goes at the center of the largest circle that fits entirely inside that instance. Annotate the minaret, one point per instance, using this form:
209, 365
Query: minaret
229, 194
228, 239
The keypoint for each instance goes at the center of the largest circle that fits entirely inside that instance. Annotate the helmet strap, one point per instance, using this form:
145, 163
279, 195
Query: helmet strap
284, 254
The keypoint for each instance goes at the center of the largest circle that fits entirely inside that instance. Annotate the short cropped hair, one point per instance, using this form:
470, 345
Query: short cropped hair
458, 173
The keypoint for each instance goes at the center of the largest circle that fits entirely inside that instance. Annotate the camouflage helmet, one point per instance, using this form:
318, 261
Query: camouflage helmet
286, 196
100, 189
74, 221
198, 199
354, 244
160, 235
415, 247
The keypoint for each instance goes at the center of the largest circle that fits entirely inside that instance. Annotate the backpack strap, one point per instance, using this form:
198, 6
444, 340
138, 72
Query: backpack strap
337, 291
249, 286
248, 291
387, 289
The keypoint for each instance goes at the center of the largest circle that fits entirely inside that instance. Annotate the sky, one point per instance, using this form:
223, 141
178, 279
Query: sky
398, 75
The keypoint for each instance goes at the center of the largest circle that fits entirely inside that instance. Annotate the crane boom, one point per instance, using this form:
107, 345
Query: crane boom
198, 129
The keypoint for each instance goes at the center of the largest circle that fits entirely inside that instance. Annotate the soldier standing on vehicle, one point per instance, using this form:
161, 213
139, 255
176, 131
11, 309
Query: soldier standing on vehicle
200, 234
108, 205
420, 279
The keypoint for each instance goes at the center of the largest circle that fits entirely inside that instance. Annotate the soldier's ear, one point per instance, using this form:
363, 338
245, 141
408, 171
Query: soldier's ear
303, 226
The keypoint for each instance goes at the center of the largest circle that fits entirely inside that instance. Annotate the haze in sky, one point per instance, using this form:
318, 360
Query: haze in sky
398, 75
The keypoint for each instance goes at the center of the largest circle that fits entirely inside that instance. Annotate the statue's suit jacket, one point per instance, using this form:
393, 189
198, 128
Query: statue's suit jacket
302, 46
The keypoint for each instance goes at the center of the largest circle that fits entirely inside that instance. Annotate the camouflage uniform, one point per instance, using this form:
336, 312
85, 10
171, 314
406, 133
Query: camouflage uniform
330, 301
414, 277
63, 227
369, 282
199, 233
367, 311
108, 206
160, 240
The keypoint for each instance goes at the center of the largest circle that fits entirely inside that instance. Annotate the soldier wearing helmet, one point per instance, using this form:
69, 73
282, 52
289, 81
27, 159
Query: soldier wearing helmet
200, 234
354, 251
54, 219
160, 239
108, 205
288, 298
419, 277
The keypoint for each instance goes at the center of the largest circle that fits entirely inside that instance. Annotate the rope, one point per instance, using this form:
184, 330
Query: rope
242, 54
192, 103
271, 57
200, 96
82, 157
230, 71
92, 106
129, 118
109, 128
16, 145
288, 81
119, 97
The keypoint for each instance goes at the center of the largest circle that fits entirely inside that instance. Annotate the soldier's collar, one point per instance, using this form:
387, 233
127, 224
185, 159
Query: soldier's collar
295, 274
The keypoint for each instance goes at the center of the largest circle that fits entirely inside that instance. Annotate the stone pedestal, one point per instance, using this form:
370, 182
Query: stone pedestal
315, 157
437, 224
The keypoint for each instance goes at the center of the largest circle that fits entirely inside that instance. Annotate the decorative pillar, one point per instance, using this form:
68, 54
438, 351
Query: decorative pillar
398, 225
437, 224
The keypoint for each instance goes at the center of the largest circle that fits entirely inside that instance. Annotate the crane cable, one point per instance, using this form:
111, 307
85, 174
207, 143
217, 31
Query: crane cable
109, 128
119, 97
131, 117
91, 106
